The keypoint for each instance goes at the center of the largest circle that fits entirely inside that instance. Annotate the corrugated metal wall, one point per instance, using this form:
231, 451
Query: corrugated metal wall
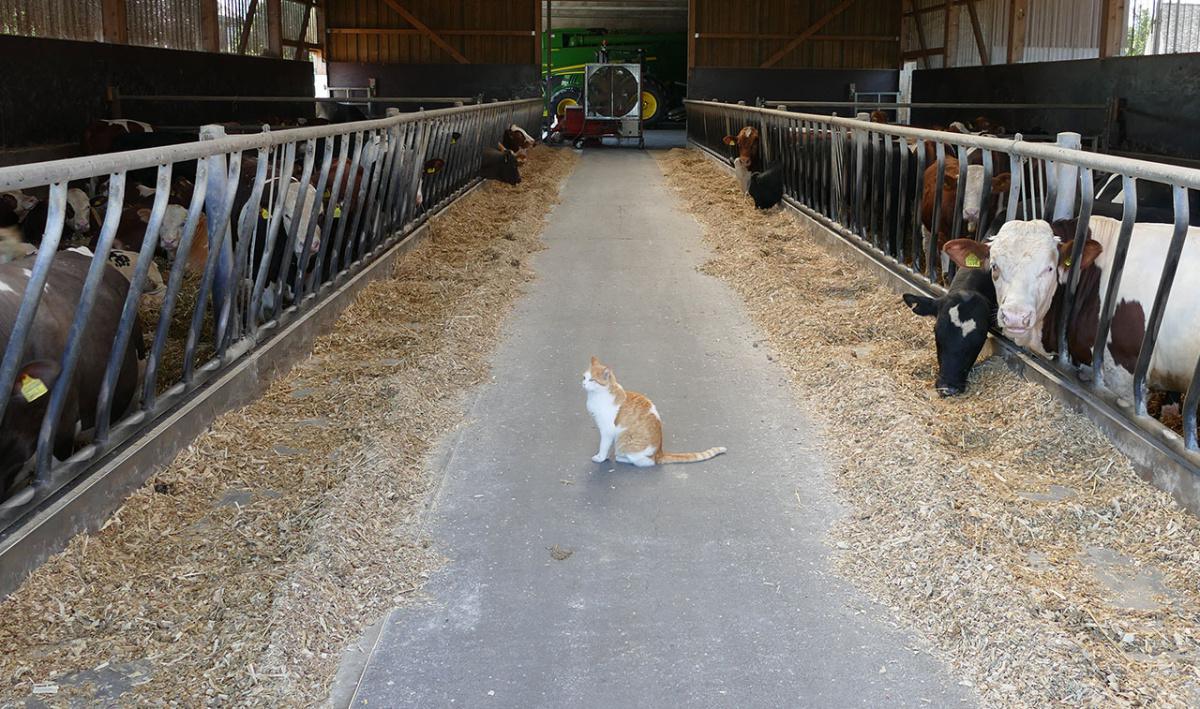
59, 19
504, 31
863, 36
171, 24
1057, 30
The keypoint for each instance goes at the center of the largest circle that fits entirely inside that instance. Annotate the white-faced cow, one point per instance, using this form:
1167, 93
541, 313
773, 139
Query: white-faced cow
964, 315
1029, 262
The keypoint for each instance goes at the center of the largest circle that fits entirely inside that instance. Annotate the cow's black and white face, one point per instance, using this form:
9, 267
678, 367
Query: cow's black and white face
961, 331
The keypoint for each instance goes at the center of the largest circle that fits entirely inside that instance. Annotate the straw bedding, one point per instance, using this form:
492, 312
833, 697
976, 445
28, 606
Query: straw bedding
239, 572
999, 526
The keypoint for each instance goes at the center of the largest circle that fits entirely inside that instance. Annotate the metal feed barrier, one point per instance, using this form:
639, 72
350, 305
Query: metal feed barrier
233, 311
862, 181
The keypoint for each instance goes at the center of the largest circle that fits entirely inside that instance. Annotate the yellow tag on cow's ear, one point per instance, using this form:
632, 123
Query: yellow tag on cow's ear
337, 212
32, 388
973, 261
1067, 263
326, 194
265, 214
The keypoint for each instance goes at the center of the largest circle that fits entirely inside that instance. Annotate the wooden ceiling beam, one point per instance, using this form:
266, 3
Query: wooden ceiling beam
247, 23
405, 31
433, 36
808, 32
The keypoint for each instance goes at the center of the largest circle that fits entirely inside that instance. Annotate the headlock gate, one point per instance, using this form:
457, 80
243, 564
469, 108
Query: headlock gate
266, 228
864, 182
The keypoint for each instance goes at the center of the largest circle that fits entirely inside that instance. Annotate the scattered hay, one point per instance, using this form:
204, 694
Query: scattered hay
1002, 527
242, 570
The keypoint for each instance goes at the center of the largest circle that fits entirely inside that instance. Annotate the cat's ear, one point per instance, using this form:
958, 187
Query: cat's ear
595, 360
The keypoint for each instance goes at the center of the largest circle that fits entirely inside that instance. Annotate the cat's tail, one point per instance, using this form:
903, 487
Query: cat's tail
664, 458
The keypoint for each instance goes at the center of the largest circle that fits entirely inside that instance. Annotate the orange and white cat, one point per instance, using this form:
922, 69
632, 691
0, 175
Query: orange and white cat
629, 420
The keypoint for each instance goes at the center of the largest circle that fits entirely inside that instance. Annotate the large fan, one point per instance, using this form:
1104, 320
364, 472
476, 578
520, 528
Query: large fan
613, 90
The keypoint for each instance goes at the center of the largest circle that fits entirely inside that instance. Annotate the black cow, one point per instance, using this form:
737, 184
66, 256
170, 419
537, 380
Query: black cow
500, 165
964, 316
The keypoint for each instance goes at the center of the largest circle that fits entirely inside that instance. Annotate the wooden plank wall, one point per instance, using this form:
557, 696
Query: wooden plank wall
845, 34
481, 31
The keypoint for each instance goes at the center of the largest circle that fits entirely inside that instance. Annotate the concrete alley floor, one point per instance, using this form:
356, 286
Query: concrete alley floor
701, 585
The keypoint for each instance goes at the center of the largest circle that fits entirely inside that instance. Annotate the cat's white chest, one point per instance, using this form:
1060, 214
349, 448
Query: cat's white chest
603, 407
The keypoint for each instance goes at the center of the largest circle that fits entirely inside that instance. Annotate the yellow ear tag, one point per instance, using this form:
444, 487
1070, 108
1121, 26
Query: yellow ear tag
1067, 263
973, 261
326, 194
32, 388
337, 212
430, 170
453, 140
265, 214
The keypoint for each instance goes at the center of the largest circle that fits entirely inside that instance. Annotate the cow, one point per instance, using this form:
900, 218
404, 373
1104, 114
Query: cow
766, 187
1030, 262
77, 219
39, 364
964, 315
972, 205
748, 145
500, 165
878, 116
98, 136
517, 140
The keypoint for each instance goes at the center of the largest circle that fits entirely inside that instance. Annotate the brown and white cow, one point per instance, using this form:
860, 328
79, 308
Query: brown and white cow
972, 205
99, 135
40, 367
748, 145
1029, 262
518, 141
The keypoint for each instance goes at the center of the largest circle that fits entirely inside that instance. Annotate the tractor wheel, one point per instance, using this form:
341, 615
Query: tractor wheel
654, 103
562, 98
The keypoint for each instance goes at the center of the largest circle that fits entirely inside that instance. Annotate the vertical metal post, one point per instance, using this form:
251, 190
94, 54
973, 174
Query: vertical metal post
1065, 177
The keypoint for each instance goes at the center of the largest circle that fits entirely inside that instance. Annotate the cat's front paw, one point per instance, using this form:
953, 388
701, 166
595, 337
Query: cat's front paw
598, 458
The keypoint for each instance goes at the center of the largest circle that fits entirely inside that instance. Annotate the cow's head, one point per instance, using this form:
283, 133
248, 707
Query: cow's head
1028, 262
963, 318
171, 231
973, 197
879, 117
79, 212
747, 144
19, 201
23, 417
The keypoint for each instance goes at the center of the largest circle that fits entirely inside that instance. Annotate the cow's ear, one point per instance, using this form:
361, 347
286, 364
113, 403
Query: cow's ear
144, 215
34, 380
1001, 183
1091, 251
967, 253
921, 304
730, 141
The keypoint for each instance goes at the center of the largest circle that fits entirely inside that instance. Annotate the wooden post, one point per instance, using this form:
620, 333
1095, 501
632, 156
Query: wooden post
116, 22
691, 50
1018, 20
210, 30
950, 35
1112, 28
537, 33
275, 28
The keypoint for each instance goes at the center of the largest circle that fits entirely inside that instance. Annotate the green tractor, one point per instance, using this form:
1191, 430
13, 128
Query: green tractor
666, 66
